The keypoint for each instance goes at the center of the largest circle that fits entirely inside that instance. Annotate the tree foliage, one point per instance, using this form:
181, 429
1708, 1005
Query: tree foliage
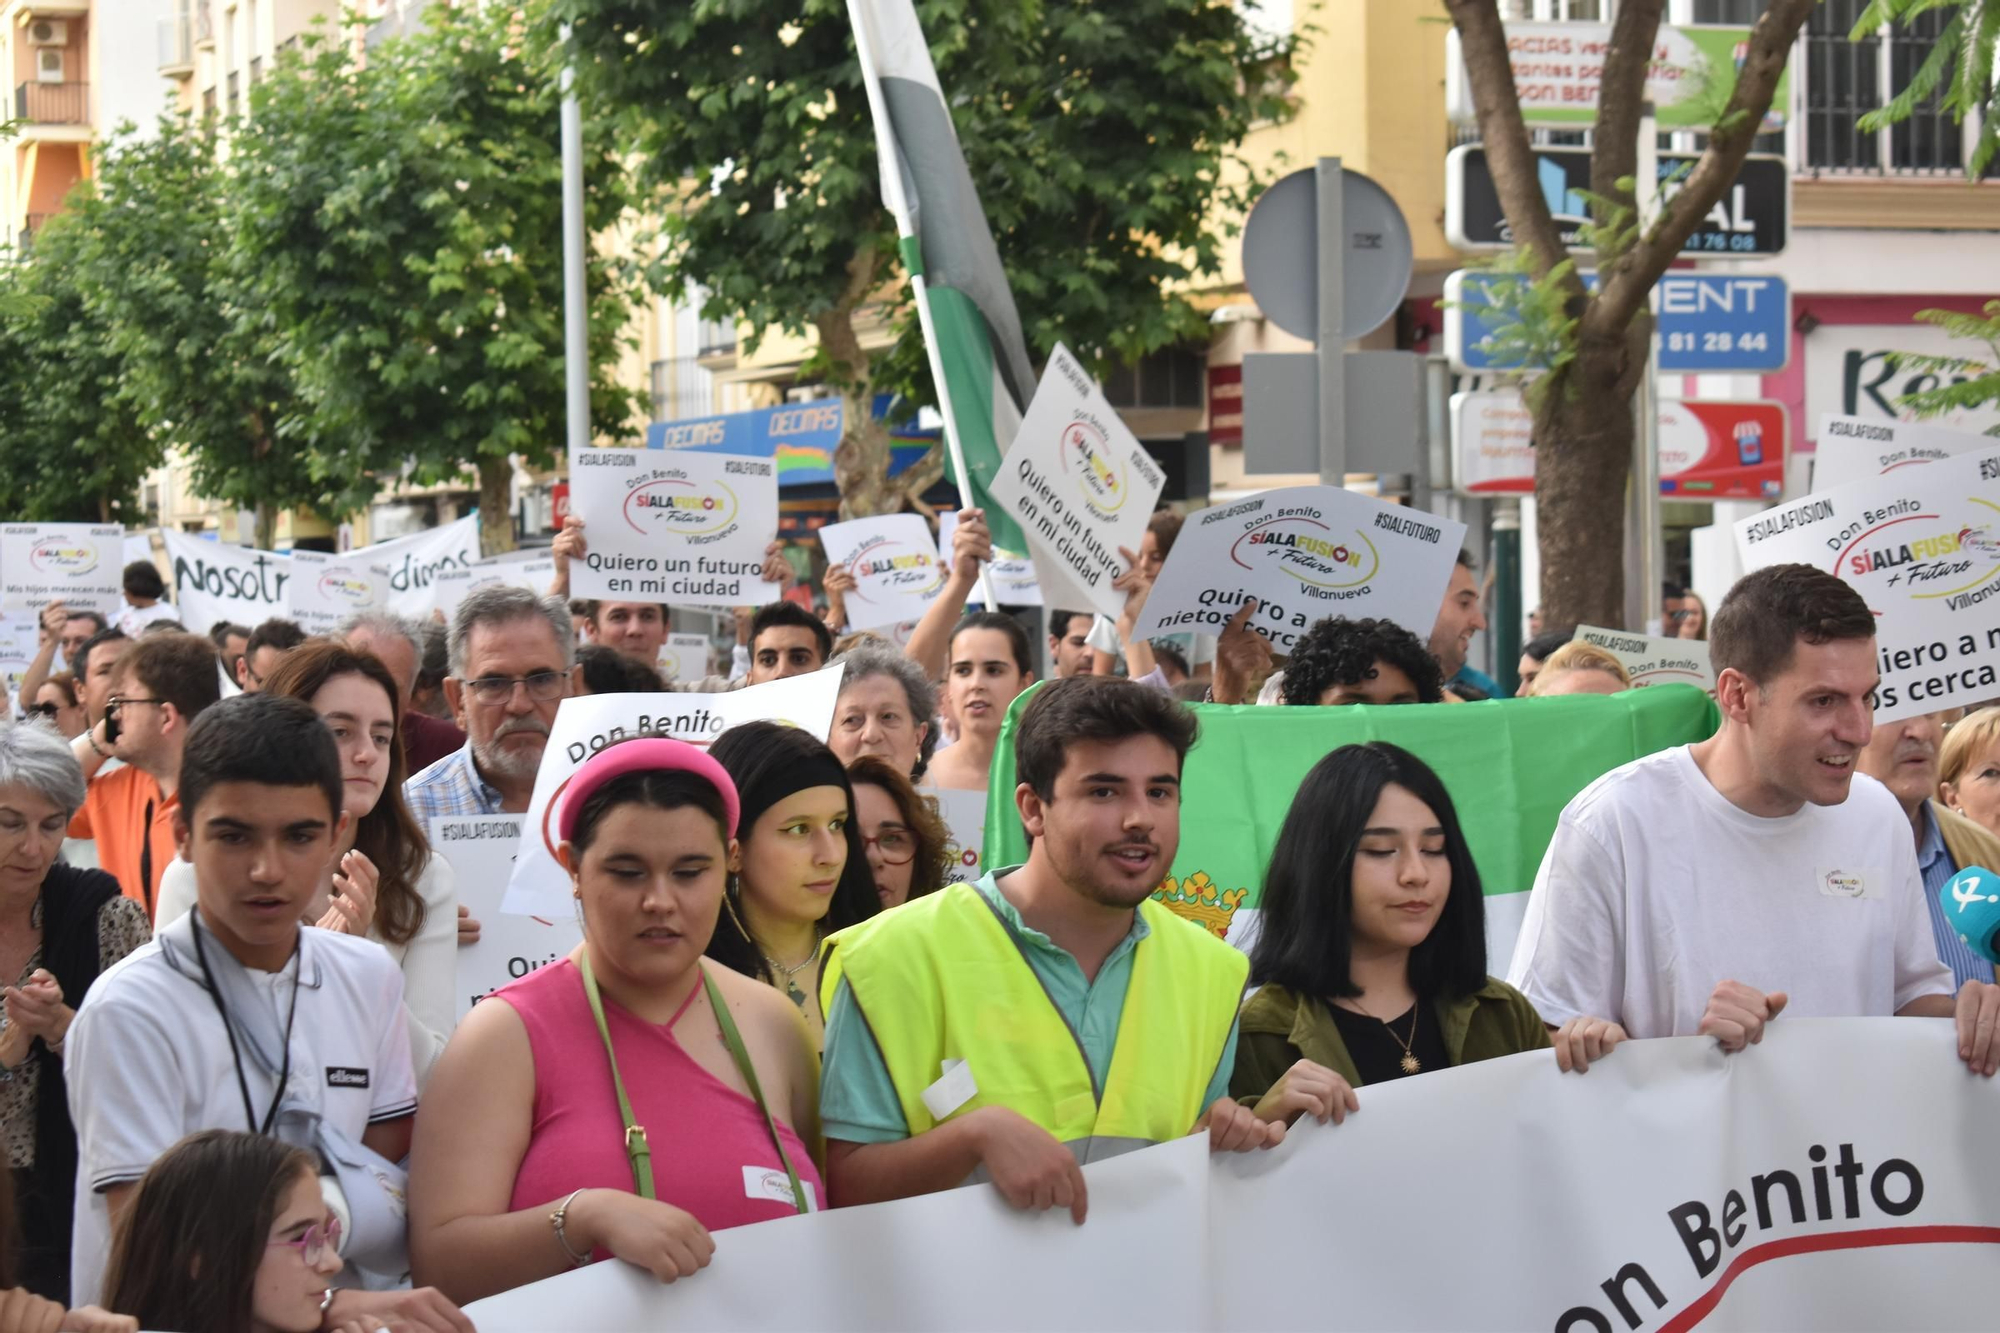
401, 223
1966, 383
1957, 73
1102, 140
72, 446
201, 357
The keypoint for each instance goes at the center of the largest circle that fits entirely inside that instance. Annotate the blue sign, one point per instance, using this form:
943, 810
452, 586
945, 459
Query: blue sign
1707, 323
800, 436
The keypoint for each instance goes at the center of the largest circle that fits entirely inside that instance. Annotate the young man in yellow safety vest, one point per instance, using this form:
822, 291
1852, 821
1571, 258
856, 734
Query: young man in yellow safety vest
1053, 1014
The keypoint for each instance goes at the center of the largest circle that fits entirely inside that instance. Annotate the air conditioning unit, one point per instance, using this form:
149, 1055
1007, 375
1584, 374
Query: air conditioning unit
48, 32
49, 65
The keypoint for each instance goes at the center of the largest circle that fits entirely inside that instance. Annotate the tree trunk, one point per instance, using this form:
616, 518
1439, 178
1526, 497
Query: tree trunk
266, 528
861, 462
496, 517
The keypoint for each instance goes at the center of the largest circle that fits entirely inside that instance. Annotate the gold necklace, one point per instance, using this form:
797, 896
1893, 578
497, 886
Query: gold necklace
1410, 1063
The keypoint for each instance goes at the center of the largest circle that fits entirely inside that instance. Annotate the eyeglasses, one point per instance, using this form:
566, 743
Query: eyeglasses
896, 845
321, 1241
543, 687
114, 703
41, 710
1682, 615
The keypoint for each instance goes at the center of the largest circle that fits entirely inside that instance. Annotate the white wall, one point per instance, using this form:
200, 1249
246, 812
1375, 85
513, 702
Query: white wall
126, 83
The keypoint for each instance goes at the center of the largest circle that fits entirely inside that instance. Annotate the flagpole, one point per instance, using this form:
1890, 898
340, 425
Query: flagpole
912, 255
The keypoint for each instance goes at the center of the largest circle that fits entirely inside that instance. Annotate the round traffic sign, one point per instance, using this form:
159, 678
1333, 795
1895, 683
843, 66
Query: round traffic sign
1281, 254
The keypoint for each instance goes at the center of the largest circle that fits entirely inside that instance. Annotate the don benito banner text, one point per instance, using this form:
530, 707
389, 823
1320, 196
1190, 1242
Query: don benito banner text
674, 526
1840, 1175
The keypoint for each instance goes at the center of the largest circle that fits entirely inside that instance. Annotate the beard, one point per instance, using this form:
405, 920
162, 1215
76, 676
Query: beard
1083, 869
511, 762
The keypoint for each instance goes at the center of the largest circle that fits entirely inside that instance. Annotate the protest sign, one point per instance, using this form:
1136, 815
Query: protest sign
1650, 660
480, 850
1510, 769
1080, 484
1012, 576
138, 546
20, 640
585, 725
1851, 449
1922, 546
1305, 553
964, 815
896, 571
684, 657
674, 525
216, 582
452, 586
327, 589
414, 563
1671, 1187
77, 564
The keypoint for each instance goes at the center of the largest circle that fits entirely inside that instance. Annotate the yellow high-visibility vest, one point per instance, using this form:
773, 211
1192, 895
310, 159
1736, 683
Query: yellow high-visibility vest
940, 978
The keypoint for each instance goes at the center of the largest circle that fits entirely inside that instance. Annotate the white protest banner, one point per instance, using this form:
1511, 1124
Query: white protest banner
896, 571
587, 724
1670, 1187
1650, 660
327, 589
684, 657
138, 546
1922, 545
1013, 577
964, 815
1850, 449
77, 564
1305, 553
480, 849
674, 526
216, 582
414, 562
451, 586
1081, 485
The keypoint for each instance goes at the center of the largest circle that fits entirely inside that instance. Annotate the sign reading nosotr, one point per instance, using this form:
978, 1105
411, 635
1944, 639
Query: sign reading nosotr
674, 526
1922, 545
1305, 553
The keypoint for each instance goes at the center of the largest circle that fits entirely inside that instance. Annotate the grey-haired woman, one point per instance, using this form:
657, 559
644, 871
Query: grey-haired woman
886, 708
59, 928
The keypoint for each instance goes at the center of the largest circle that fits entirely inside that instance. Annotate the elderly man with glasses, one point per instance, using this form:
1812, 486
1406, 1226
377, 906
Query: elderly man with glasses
513, 662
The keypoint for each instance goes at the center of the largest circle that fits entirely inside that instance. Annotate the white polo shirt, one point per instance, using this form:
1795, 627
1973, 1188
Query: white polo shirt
1656, 888
148, 1062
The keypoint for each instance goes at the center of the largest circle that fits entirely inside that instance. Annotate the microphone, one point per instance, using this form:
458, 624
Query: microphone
1971, 902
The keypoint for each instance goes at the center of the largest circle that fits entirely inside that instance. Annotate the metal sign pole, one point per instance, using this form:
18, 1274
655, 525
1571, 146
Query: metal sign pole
1644, 539
1332, 338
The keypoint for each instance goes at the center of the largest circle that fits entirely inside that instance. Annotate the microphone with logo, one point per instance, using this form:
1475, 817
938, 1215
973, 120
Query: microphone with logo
1971, 901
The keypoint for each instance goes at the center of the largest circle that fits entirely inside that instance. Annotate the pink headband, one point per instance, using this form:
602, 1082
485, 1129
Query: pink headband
653, 754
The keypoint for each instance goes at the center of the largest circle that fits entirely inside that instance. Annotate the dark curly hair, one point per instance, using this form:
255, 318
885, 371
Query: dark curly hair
1338, 651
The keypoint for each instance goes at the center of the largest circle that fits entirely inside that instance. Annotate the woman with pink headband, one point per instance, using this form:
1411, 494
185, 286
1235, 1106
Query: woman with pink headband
629, 1100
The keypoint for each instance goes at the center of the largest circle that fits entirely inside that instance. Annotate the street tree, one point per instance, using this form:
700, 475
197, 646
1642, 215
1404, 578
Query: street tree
1582, 406
400, 220
72, 446
1103, 140
201, 360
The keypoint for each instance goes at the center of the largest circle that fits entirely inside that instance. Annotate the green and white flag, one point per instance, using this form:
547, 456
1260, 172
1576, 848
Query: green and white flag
1511, 765
971, 330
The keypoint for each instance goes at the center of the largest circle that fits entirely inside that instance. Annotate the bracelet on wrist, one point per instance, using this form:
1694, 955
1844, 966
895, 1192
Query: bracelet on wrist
557, 1223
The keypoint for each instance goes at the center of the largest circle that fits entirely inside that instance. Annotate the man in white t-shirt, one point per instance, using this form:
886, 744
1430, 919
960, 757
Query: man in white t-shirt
1706, 888
235, 1017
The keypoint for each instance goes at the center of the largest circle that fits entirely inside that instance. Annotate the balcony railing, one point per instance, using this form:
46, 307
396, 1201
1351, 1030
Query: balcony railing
682, 389
204, 24
53, 103
176, 43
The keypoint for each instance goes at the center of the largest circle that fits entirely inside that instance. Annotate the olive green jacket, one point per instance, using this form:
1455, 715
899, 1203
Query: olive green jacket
1278, 1029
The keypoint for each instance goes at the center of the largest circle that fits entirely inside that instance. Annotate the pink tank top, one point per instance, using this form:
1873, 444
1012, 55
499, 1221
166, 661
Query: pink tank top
712, 1152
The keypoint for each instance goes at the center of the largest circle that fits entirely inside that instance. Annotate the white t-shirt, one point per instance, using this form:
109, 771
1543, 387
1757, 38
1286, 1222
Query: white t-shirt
133, 620
429, 960
1656, 889
148, 1062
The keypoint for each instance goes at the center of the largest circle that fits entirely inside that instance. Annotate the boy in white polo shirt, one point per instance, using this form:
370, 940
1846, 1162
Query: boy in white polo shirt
236, 1017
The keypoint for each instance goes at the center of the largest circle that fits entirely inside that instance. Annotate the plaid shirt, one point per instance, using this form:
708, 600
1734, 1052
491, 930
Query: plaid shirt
452, 786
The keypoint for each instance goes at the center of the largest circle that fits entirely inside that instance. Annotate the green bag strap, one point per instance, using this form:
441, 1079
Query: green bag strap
741, 1054
635, 1133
